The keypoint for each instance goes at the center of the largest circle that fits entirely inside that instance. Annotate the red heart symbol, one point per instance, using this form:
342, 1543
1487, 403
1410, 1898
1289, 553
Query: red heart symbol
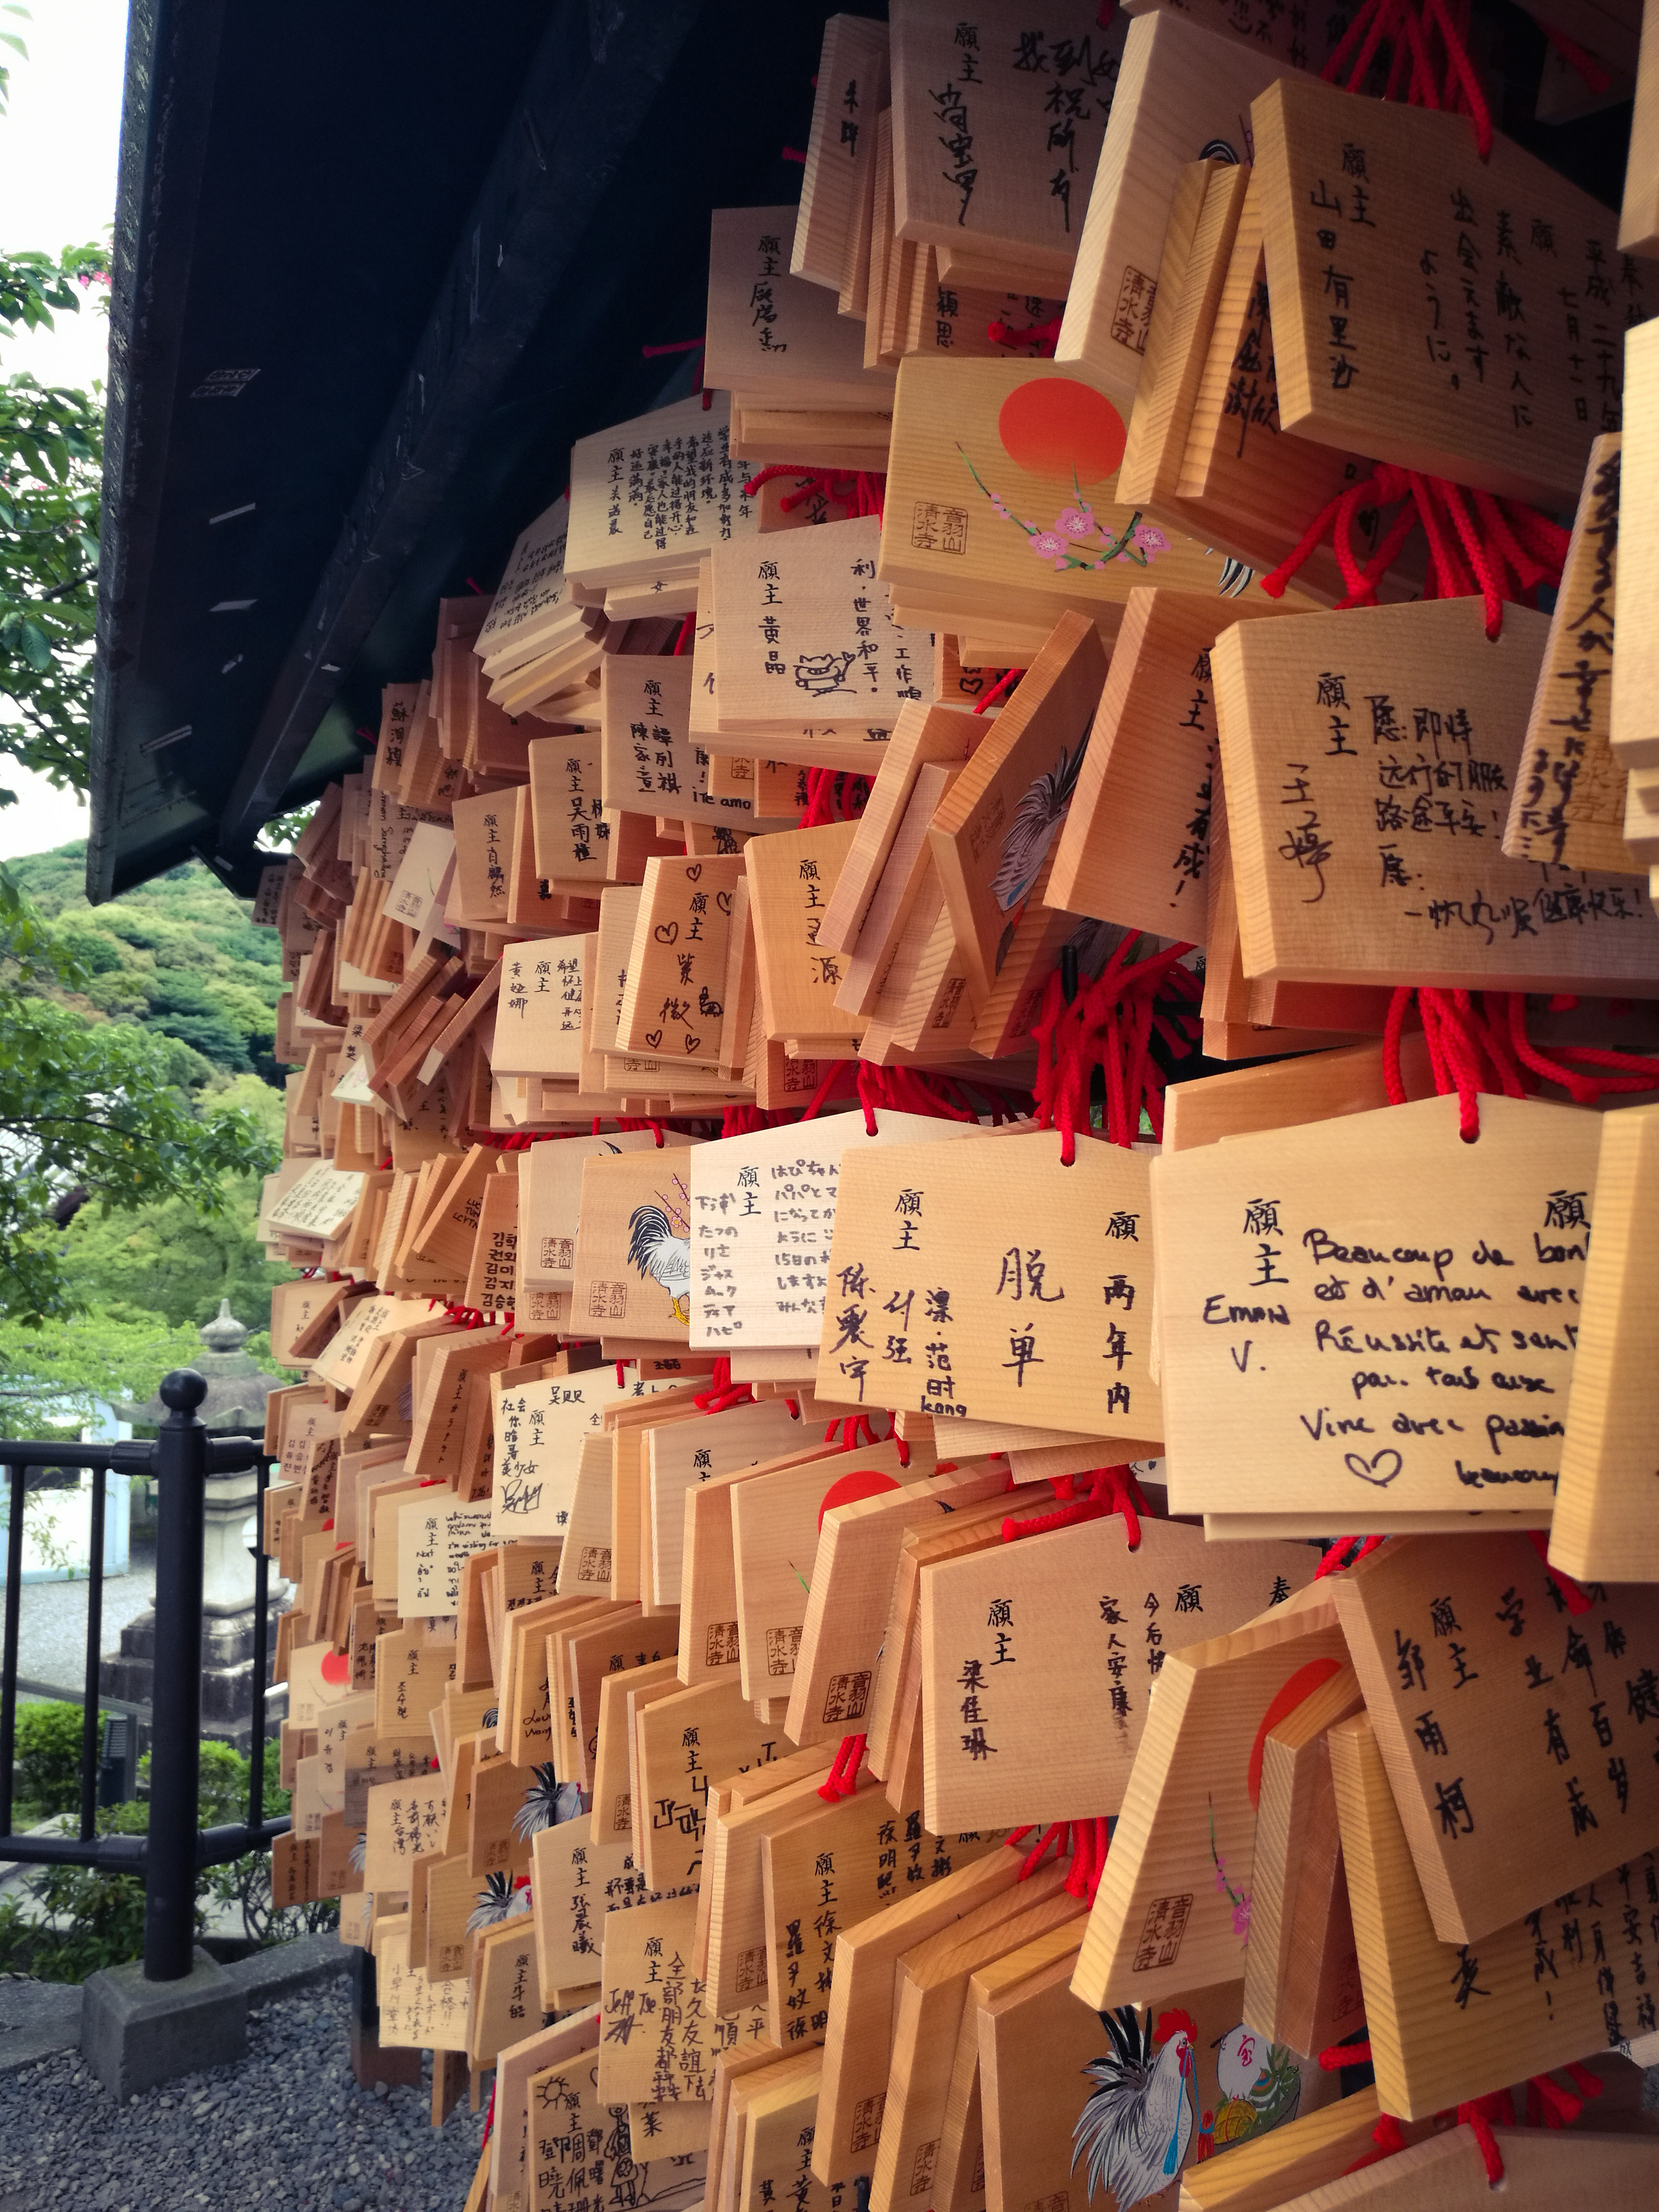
336, 1668
667, 932
653, 1038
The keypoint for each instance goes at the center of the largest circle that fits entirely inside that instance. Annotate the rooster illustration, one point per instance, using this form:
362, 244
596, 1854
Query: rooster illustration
1135, 2127
501, 1897
660, 1245
1040, 810
540, 1808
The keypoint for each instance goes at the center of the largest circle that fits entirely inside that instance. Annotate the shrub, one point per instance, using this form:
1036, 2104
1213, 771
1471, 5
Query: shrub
47, 1769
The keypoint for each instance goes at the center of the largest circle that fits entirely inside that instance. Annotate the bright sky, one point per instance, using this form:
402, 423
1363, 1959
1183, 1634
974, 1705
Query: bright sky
59, 145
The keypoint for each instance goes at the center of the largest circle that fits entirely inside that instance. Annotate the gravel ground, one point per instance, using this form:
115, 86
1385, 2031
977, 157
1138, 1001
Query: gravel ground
288, 2127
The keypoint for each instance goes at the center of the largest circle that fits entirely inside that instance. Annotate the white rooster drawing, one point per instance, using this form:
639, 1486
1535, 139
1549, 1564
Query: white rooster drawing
660, 1245
1043, 808
1138, 2122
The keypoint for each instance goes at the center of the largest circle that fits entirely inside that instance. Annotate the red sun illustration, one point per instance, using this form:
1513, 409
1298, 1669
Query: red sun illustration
335, 1668
847, 1489
1057, 426
1302, 1684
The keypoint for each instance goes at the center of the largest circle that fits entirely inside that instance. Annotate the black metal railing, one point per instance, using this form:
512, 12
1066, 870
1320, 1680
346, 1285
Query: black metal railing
174, 1851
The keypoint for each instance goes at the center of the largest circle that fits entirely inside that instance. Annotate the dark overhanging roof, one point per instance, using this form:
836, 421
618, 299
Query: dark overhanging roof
441, 241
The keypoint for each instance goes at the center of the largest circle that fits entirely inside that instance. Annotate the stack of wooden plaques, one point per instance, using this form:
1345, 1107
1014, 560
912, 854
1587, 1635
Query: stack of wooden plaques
856, 1644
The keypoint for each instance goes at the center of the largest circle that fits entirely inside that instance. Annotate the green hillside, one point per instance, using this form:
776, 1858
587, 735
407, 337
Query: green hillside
178, 956
181, 957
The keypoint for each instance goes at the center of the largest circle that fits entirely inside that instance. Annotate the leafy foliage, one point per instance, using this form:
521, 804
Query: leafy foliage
93, 1105
46, 1767
83, 1920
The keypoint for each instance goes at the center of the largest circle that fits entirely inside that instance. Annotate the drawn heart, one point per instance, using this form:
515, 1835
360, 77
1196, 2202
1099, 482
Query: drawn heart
694, 874
1380, 1468
692, 1043
723, 900
667, 932
653, 1038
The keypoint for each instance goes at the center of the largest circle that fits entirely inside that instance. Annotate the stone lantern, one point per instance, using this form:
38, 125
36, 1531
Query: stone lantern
234, 1405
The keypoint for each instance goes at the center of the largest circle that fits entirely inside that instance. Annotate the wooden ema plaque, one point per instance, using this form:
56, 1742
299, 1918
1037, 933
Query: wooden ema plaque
660, 2034
1016, 115
1462, 318
1182, 91
1134, 846
581, 2148
653, 495
1038, 1659
1568, 803
1173, 1905
1369, 758
1451, 2020
801, 628
929, 1308
774, 341
852, 91
1518, 1738
1603, 1524
762, 1215
1001, 499
1396, 1331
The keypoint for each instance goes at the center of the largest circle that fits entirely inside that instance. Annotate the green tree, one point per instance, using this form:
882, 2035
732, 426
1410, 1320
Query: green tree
89, 1106
51, 449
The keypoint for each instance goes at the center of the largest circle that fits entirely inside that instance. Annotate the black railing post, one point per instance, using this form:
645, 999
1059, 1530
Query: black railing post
181, 1465
89, 1729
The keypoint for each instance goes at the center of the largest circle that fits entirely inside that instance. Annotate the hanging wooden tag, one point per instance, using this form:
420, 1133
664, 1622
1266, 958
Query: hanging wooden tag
613, 1761
773, 342
1382, 1351
1568, 803
410, 1675
708, 1585
1302, 1970
585, 1561
448, 1369
1039, 1658
1006, 491
802, 629
491, 1281
661, 2035
677, 963
538, 1016
1174, 1902
1134, 845
1447, 2172
780, 2122
774, 1529
993, 829
552, 1203
1011, 190
1602, 1524
628, 1646
414, 2012
682, 1743
1451, 2020
688, 1453
763, 1213
854, 1567
829, 1869
404, 1819
791, 877
858, 2034
852, 89
633, 1260
623, 484
1299, 2155
434, 1537
931, 1991
650, 761
983, 1335
1504, 393
1511, 1729
580, 2144
735, 1916
1391, 872
512, 2175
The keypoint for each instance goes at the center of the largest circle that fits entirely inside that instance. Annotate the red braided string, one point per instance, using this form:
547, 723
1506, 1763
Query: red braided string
1112, 1490
1045, 336
1477, 1042
1108, 1025
722, 1392
843, 1778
